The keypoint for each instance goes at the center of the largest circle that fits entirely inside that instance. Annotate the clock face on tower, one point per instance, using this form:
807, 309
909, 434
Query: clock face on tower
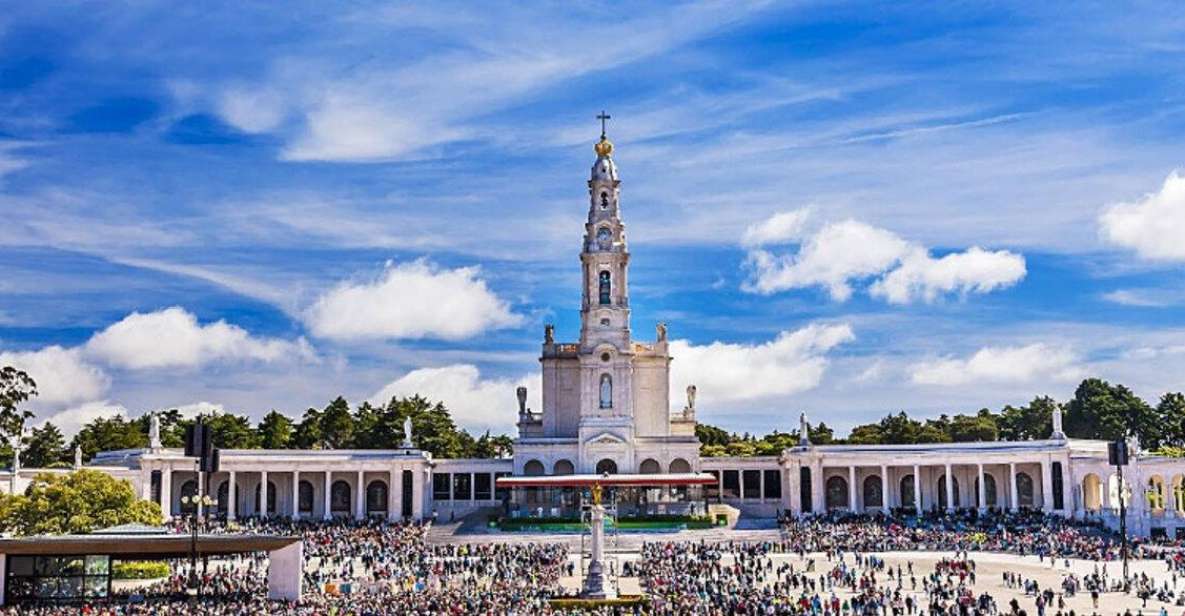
604, 238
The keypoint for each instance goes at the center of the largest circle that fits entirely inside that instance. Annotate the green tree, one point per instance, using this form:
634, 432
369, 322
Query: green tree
16, 388
308, 431
980, 427
232, 431
337, 425
77, 502
709, 435
109, 434
1170, 411
899, 429
1100, 410
44, 448
1031, 422
276, 431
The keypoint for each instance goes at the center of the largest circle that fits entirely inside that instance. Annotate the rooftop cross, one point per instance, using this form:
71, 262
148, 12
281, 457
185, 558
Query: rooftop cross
602, 117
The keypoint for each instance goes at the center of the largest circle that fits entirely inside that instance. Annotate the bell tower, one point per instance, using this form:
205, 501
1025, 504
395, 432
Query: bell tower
605, 309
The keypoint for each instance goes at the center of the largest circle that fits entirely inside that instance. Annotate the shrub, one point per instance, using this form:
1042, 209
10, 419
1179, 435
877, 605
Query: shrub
140, 570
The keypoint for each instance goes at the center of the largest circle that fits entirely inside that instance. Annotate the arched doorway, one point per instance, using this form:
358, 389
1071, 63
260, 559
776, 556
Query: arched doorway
679, 465
339, 498
1092, 492
564, 467
873, 491
1024, 490
650, 466
837, 493
1155, 494
606, 466
376, 497
533, 468
304, 501
989, 491
907, 492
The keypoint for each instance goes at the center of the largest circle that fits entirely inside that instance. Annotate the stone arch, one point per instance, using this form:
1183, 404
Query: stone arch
271, 499
1154, 494
1177, 484
534, 468
908, 492
564, 467
989, 491
606, 465
942, 490
679, 465
837, 493
1024, 490
339, 497
873, 491
1092, 492
376, 497
222, 506
649, 466
304, 499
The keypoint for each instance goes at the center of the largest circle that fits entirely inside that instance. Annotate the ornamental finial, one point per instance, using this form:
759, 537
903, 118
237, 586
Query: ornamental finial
604, 147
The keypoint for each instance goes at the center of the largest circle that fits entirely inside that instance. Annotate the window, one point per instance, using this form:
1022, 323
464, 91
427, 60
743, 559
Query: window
57, 578
604, 288
907, 492
376, 497
604, 200
837, 493
462, 486
751, 484
1059, 502
606, 391
304, 503
732, 484
873, 492
1024, 490
440, 486
482, 486
339, 497
773, 484
806, 501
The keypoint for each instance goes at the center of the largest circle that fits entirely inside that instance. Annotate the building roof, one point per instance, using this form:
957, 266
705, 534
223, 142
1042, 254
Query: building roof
132, 546
580, 481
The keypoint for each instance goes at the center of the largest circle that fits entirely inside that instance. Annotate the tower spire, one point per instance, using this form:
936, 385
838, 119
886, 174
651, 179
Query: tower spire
602, 117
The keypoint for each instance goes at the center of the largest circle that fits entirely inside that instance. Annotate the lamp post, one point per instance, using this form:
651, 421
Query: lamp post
197, 501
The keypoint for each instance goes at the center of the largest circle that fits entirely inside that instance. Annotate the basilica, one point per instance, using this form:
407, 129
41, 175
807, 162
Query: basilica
607, 411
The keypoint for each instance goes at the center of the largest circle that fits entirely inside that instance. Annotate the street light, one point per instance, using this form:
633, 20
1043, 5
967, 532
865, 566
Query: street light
197, 502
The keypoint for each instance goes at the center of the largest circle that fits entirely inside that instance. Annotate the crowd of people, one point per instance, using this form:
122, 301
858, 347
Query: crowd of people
823, 566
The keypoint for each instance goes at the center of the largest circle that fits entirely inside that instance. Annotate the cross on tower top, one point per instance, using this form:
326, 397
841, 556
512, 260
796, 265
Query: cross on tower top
602, 117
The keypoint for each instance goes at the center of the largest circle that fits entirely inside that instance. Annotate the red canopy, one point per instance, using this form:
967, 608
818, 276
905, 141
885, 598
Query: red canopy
605, 481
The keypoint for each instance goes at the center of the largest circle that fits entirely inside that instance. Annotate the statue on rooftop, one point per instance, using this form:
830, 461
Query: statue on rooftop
407, 443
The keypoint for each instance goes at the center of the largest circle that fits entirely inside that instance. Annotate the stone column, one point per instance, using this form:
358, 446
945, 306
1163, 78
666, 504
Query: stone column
360, 499
295, 495
818, 488
852, 506
417, 494
391, 515
261, 506
397, 490
950, 490
982, 490
886, 502
760, 485
1013, 504
232, 495
917, 488
1068, 483
1047, 486
327, 513
166, 492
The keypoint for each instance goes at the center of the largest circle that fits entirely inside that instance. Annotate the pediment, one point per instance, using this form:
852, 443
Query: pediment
605, 438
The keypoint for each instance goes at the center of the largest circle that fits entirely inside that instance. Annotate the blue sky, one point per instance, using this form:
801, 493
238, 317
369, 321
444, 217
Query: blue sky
843, 208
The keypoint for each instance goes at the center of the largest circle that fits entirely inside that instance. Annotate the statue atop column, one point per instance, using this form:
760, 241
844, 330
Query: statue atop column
804, 429
1058, 434
549, 334
407, 443
521, 392
661, 332
154, 432
689, 410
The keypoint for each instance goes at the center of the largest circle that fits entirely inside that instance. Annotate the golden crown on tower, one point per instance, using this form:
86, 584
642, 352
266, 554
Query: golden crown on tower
604, 147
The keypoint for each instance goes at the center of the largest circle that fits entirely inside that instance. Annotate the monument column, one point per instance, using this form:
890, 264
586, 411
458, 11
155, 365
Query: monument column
982, 490
417, 494
917, 488
360, 499
1046, 486
852, 489
950, 490
166, 491
1012, 487
886, 502
295, 495
232, 495
261, 506
327, 511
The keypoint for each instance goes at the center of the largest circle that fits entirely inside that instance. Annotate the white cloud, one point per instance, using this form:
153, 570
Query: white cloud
1016, 364
842, 253
779, 228
1141, 298
71, 420
973, 271
1153, 226
411, 300
62, 375
173, 338
475, 403
725, 372
251, 110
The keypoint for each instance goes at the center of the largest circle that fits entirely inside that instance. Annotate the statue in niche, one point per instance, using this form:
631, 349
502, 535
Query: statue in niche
549, 334
606, 392
661, 331
407, 444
